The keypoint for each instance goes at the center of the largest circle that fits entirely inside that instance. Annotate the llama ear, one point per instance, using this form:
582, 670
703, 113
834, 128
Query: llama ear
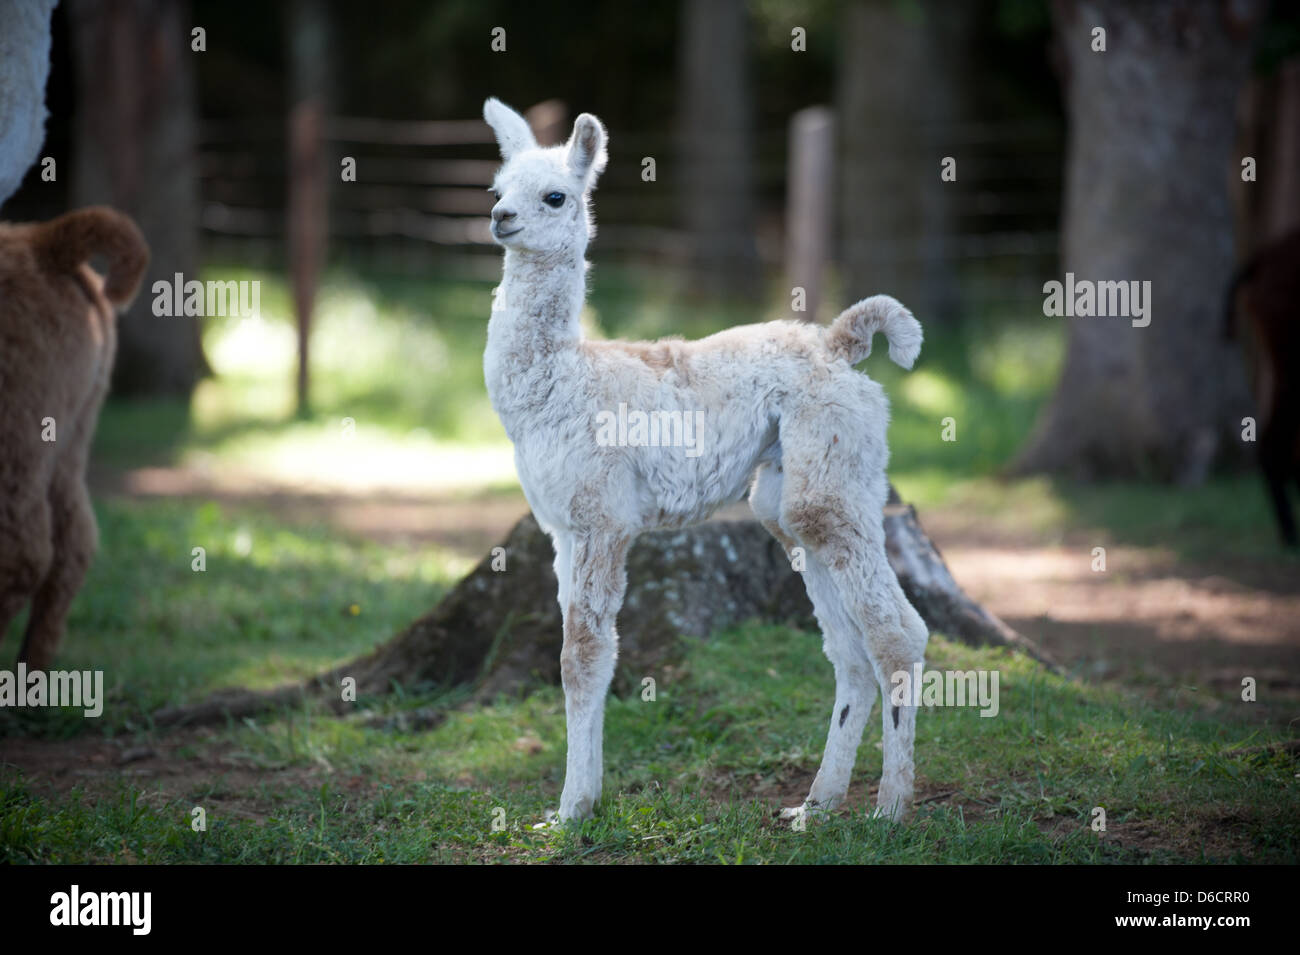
512, 130
586, 148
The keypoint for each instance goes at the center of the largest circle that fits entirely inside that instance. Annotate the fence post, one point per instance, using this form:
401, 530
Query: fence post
547, 120
808, 203
308, 196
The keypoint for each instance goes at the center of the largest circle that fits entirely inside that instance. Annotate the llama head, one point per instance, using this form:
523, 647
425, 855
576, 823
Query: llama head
543, 193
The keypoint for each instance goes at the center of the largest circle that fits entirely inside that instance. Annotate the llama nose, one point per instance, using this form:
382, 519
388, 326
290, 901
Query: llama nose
501, 215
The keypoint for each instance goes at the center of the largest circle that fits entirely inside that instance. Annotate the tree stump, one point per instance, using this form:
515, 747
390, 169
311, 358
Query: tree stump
501, 630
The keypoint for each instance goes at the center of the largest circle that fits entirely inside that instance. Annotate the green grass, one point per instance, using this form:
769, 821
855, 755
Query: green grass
696, 775
275, 603
737, 727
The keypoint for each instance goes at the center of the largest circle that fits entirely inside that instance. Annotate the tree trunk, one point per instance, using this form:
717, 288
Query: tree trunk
716, 149
1151, 124
135, 150
501, 630
898, 99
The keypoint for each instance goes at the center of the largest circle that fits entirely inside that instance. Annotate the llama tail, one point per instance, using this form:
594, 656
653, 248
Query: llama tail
63, 244
849, 336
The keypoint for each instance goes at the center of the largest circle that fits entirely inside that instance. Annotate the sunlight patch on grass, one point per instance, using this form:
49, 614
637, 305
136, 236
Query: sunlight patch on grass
254, 347
1038, 502
931, 393
319, 456
1019, 359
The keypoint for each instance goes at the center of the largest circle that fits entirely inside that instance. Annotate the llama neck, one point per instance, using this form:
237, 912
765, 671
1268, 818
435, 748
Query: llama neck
537, 307
534, 325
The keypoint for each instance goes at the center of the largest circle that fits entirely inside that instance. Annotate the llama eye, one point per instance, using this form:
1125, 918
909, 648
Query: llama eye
554, 200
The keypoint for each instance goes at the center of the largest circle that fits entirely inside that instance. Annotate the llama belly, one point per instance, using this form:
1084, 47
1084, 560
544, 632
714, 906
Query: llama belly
680, 492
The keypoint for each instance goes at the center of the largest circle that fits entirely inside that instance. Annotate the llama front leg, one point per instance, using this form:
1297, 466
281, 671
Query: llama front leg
596, 591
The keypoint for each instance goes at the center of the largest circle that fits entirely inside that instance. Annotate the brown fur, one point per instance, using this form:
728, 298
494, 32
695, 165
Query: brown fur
1269, 289
58, 336
818, 522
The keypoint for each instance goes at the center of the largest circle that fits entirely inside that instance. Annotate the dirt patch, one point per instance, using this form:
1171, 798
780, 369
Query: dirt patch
180, 766
1149, 618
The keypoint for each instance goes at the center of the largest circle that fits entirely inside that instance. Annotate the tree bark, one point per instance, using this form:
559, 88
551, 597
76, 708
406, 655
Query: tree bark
501, 630
716, 149
899, 96
1151, 123
135, 150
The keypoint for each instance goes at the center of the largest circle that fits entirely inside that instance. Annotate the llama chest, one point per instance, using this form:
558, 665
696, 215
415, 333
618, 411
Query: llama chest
551, 479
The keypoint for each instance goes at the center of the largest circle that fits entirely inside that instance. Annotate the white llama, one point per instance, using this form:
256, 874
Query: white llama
781, 413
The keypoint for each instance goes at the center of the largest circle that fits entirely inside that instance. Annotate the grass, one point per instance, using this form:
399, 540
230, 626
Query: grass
695, 776
273, 603
736, 728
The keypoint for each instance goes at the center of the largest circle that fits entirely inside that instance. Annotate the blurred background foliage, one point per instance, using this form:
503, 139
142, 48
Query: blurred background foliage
398, 325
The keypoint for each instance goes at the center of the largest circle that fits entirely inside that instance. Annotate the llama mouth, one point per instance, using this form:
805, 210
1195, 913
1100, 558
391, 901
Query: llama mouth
506, 235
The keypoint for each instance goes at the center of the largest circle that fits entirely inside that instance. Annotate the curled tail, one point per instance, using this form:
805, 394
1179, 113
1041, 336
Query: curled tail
849, 336
62, 245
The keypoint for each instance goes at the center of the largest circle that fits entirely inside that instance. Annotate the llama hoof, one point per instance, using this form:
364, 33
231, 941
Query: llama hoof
557, 820
807, 812
896, 812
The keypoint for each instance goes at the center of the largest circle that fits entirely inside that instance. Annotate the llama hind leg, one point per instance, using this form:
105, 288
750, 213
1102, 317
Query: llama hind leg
855, 692
900, 651
840, 523
855, 681
893, 637
26, 555
75, 538
1277, 448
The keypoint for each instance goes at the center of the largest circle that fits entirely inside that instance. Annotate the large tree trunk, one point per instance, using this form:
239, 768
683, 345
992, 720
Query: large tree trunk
1151, 124
500, 629
899, 97
716, 149
135, 150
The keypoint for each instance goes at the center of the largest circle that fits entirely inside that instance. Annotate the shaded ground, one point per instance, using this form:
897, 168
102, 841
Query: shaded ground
1176, 628
1150, 617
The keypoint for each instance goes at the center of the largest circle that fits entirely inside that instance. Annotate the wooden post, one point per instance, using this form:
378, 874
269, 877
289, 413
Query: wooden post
307, 190
808, 204
548, 121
